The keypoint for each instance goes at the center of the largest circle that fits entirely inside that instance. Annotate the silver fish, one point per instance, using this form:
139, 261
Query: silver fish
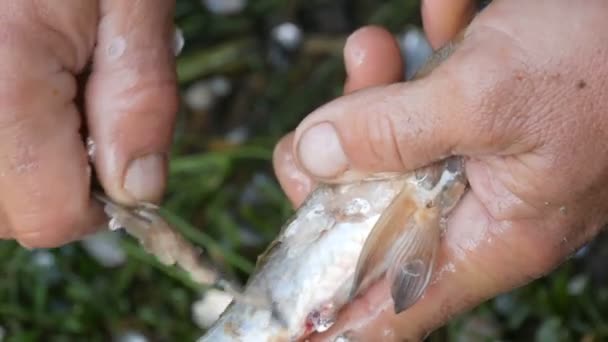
341, 240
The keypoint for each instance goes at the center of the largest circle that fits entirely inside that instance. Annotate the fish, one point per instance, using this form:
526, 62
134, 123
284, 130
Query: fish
340, 241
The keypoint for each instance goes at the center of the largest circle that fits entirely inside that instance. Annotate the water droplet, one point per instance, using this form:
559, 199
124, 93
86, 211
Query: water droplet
114, 224
443, 224
116, 48
388, 332
414, 268
91, 148
447, 268
357, 206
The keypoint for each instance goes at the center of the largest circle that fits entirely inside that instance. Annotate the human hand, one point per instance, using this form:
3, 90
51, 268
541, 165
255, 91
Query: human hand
129, 103
523, 98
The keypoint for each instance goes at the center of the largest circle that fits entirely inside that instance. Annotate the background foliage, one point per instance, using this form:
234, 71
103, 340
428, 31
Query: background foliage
222, 183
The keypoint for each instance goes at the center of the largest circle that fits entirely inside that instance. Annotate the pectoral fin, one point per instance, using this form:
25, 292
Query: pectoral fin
402, 246
412, 264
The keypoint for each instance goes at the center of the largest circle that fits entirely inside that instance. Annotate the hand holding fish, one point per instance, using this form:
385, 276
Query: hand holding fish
523, 100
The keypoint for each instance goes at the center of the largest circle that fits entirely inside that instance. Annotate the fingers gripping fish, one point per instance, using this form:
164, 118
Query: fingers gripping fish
341, 240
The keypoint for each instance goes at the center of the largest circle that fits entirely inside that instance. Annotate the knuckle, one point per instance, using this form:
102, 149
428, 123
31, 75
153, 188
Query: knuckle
162, 92
158, 97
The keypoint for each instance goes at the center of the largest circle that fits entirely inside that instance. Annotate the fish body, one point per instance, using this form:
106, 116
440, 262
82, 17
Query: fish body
335, 246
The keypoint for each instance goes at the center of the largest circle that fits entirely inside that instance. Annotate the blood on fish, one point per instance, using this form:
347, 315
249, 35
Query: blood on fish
321, 319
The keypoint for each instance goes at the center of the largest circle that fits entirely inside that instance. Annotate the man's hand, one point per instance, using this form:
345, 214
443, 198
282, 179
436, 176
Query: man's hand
524, 99
130, 100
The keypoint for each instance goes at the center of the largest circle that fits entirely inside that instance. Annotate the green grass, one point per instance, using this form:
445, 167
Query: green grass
220, 191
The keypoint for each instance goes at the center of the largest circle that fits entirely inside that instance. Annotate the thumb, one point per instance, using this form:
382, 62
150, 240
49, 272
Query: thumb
399, 127
132, 98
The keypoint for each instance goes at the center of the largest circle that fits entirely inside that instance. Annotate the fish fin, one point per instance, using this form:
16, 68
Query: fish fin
402, 246
373, 260
413, 259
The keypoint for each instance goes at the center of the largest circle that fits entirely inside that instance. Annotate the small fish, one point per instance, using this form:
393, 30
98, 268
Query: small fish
340, 241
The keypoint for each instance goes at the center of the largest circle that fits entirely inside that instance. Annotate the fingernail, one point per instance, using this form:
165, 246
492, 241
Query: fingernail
320, 151
145, 177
